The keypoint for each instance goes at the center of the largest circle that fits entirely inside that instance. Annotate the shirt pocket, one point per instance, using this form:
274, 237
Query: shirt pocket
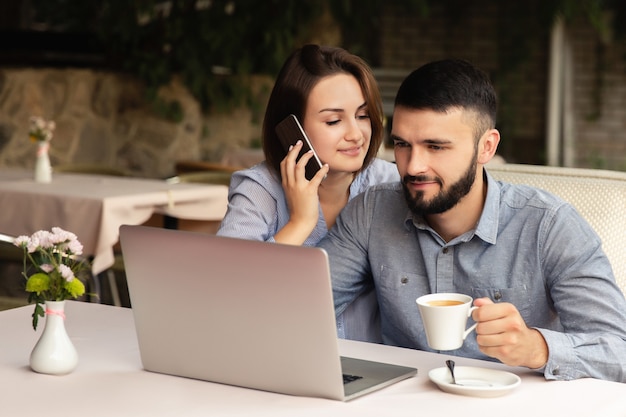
399, 289
518, 296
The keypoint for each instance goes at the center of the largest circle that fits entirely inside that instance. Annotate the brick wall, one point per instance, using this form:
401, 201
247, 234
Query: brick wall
599, 133
599, 101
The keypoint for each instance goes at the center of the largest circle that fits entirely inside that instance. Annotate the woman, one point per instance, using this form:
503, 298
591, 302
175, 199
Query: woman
334, 95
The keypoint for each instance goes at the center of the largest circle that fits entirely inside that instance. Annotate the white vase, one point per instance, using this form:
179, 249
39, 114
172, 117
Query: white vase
43, 170
54, 353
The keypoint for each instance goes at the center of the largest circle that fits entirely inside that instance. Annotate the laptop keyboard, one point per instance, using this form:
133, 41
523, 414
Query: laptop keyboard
349, 378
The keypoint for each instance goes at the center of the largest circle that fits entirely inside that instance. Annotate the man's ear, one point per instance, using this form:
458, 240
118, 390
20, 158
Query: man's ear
488, 145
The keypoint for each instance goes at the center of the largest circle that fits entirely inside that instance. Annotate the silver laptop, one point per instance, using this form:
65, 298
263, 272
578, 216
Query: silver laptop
245, 313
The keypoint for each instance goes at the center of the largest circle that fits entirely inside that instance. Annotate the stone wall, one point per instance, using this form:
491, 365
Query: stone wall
103, 118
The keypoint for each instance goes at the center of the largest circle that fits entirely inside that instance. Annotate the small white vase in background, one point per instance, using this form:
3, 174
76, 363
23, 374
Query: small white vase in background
43, 169
54, 353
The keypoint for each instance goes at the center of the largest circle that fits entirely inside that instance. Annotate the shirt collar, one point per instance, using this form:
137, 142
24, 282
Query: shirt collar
488, 223
487, 227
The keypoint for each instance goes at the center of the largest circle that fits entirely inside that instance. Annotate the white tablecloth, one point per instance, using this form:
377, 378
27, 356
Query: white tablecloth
109, 380
94, 206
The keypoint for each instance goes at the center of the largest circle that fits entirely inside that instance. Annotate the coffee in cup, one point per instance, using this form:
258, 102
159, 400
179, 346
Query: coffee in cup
444, 303
445, 319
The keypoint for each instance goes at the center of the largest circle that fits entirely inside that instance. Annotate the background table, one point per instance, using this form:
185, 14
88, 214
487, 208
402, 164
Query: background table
110, 381
94, 206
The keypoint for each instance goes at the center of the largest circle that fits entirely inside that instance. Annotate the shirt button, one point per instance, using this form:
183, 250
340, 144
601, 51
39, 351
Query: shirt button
445, 250
404, 280
497, 296
556, 370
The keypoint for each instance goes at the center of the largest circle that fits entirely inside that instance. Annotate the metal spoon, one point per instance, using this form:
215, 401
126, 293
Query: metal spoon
450, 365
467, 383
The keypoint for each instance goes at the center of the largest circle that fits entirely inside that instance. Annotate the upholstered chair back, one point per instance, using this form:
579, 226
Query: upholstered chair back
598, 195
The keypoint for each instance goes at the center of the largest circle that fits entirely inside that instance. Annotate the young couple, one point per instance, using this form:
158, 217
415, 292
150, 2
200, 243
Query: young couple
443, 225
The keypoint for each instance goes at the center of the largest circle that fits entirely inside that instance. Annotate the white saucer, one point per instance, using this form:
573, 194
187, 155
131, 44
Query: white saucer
477, 382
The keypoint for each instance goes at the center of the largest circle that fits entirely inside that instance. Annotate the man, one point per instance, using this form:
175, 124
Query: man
546, 293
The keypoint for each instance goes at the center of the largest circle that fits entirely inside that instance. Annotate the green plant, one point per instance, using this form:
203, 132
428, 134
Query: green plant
168, 110
214, 44
40, 130
210, 44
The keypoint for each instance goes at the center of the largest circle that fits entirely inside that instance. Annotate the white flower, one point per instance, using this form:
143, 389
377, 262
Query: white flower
44, 239
75, 247
66, 241
61, 235
66, 272
41, 130
22, 241
32, 245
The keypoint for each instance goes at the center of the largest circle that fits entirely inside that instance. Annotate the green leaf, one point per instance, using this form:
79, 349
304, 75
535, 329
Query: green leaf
39, 312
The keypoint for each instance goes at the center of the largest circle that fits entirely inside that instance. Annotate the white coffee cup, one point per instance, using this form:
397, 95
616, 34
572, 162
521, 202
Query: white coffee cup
445, 319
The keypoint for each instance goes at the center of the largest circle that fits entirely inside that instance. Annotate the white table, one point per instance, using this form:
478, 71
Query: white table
110, 381
94, 206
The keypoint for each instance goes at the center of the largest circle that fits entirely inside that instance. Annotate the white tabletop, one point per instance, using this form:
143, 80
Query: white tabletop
110, 381
94, 206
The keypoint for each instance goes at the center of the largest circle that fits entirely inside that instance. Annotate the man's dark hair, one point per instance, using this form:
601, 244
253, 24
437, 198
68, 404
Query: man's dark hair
442, 85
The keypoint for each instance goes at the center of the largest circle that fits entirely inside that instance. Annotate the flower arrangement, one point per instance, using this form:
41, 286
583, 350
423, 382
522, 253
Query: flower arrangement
40, 130
55, 256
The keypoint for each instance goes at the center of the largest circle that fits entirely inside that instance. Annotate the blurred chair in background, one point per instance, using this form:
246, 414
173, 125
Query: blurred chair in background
598, 195
12, 261
186, 166
90, 169
202, 177
118, 267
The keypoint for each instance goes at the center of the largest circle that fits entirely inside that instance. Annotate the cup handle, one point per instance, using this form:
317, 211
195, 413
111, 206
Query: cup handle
473, 326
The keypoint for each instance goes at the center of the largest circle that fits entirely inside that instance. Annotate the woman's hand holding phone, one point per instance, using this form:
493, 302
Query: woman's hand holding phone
289, 132
301, 195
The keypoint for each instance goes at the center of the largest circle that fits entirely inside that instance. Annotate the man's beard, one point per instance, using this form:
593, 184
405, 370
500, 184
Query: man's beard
445, 199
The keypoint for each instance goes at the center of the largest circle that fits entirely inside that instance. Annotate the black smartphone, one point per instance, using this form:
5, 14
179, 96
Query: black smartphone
289, 131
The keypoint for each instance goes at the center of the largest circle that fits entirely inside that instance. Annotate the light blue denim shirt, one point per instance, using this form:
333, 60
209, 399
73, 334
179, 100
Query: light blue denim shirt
529, 248
257, 206
257, 210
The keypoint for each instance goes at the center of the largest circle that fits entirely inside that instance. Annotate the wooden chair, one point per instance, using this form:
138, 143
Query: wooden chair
8, 251
90, 169
204, 177
190, 166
